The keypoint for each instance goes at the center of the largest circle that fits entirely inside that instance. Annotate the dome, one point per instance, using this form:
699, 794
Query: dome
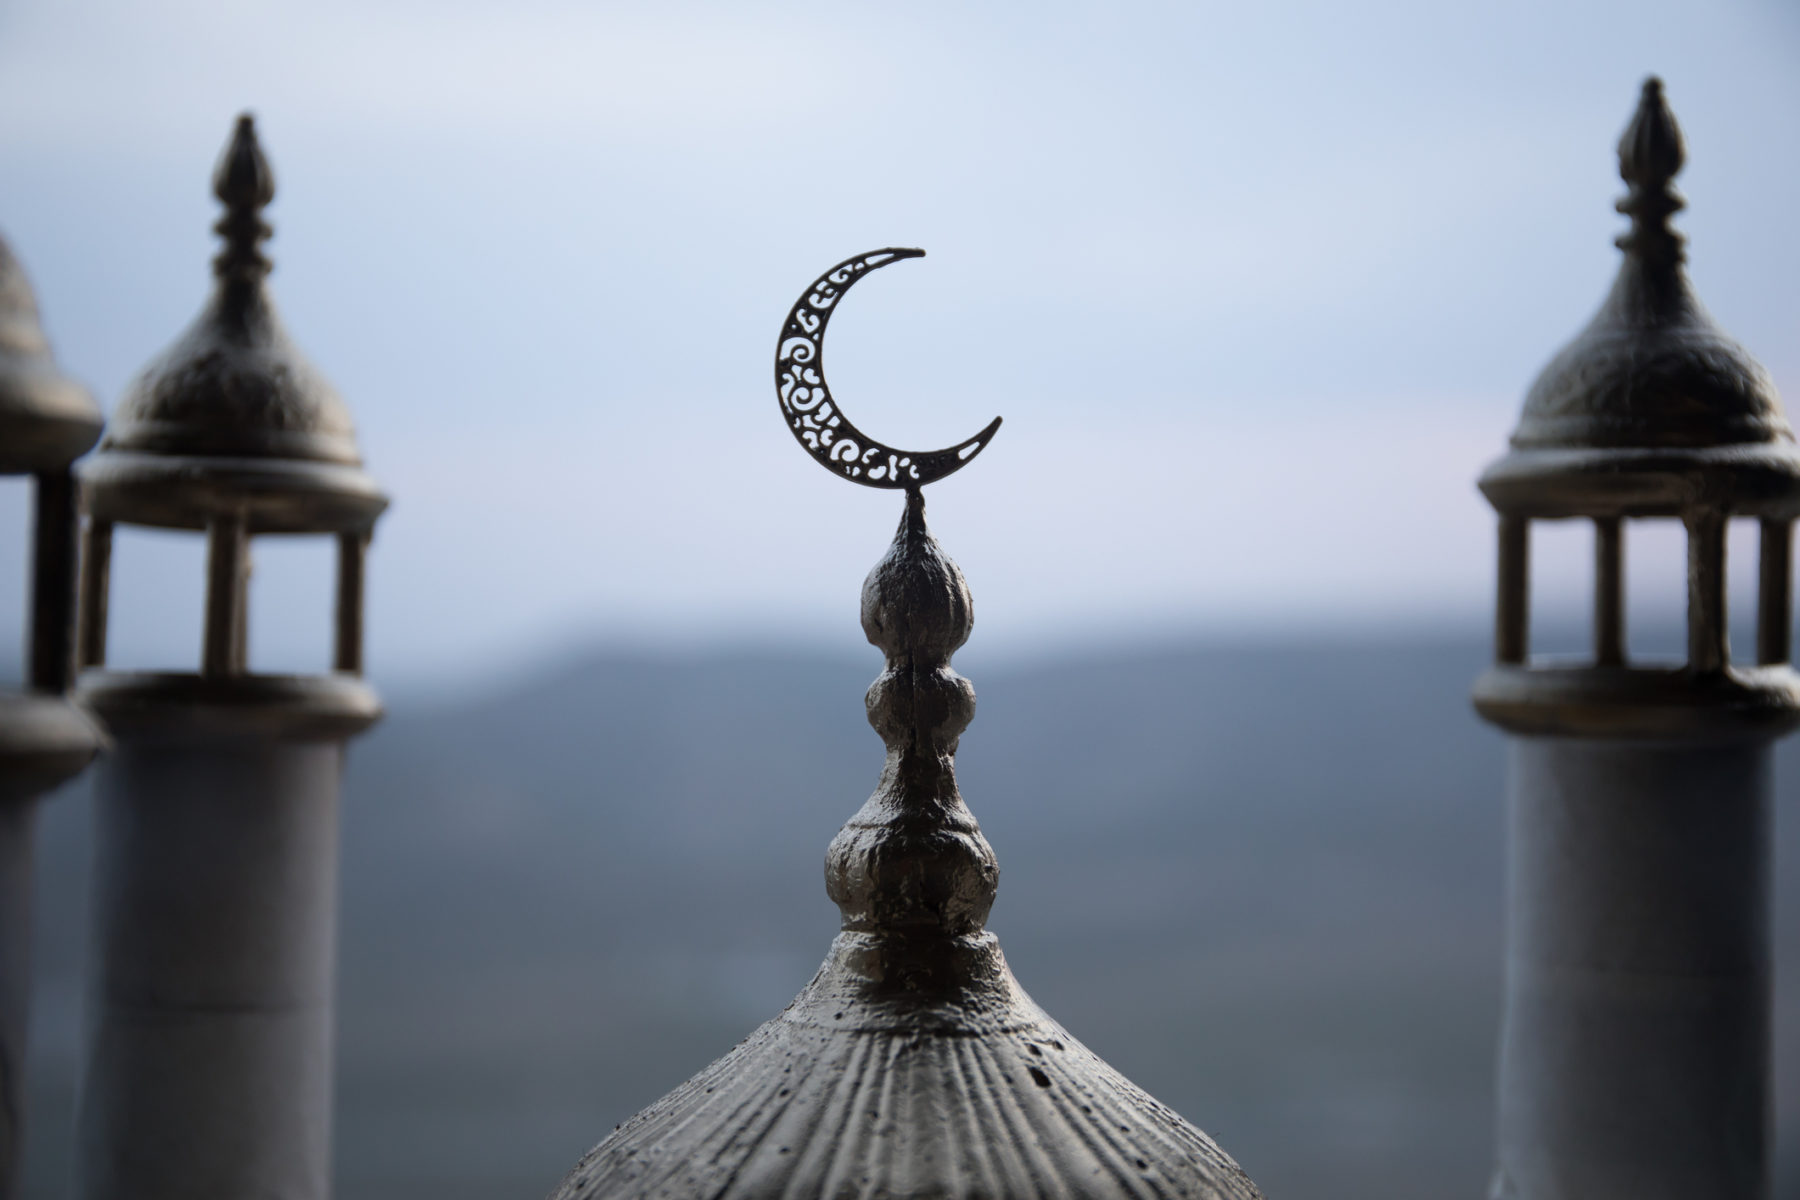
913, 1064
1652, 408
232, 415
48, 419
234, 385
1651, 370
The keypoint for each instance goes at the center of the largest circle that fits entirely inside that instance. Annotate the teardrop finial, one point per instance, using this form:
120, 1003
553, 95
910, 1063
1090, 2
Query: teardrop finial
244, 184
913, 861
1651, 154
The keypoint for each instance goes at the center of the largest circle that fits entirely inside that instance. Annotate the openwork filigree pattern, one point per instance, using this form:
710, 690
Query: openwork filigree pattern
815, 418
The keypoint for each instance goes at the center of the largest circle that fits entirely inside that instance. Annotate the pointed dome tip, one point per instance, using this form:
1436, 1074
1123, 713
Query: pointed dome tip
1651, 152
1651, 370
242, 179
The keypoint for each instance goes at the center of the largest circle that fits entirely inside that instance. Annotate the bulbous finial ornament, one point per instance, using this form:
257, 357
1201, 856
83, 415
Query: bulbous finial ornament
244, 184
914, 858
1651, 154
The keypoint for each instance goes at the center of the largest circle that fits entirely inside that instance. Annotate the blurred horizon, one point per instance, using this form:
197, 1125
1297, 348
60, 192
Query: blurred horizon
1264, 882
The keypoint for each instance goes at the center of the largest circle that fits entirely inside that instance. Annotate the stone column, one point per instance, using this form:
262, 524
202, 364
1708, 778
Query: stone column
1634, 1049
210, 1061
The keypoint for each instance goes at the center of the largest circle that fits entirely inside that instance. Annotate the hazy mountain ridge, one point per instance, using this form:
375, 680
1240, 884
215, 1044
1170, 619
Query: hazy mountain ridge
1264, 881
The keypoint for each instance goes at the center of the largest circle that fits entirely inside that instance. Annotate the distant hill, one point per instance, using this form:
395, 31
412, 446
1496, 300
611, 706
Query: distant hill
1264, 881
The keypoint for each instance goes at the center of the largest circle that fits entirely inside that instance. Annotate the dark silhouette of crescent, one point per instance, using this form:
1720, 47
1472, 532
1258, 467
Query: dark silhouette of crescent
817, 421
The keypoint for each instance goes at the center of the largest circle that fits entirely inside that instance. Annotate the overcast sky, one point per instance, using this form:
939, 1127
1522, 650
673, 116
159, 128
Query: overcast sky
1258, 289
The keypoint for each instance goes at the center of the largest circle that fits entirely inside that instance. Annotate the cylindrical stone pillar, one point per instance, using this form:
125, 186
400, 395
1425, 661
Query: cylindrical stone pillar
1634, 1049
1634, 1046
209, 1070
18, 819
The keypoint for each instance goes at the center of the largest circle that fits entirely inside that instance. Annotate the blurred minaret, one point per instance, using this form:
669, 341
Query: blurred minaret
46, 422
1634, 1049
208, 1072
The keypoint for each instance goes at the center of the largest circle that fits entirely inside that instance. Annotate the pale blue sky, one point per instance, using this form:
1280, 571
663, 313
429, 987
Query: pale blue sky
1257, 289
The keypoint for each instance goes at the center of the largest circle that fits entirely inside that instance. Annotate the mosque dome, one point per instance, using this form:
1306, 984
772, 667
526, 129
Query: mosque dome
913, 1064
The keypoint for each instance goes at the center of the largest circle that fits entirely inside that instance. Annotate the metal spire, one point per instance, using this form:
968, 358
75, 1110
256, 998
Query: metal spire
1651, 154
245, 185
913, 1064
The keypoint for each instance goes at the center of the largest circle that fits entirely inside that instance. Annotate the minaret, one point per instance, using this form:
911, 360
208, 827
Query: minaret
913, 1064
46, 421
208, 1069
1634, 1048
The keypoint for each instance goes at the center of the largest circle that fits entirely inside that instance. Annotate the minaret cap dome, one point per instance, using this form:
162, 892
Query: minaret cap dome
232, 415
1637, 377
46, 419
1651, 370
234, 383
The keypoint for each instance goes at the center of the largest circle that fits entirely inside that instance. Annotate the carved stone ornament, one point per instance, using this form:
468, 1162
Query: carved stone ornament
913, 1065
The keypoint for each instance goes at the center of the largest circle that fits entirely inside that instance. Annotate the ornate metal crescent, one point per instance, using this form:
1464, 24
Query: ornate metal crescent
819, 424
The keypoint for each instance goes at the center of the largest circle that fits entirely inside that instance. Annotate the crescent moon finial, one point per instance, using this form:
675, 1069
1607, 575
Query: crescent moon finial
814, 416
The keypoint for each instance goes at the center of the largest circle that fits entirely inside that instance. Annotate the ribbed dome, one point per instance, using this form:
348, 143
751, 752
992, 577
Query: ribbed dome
864, 1087
913, 1065
46, 419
